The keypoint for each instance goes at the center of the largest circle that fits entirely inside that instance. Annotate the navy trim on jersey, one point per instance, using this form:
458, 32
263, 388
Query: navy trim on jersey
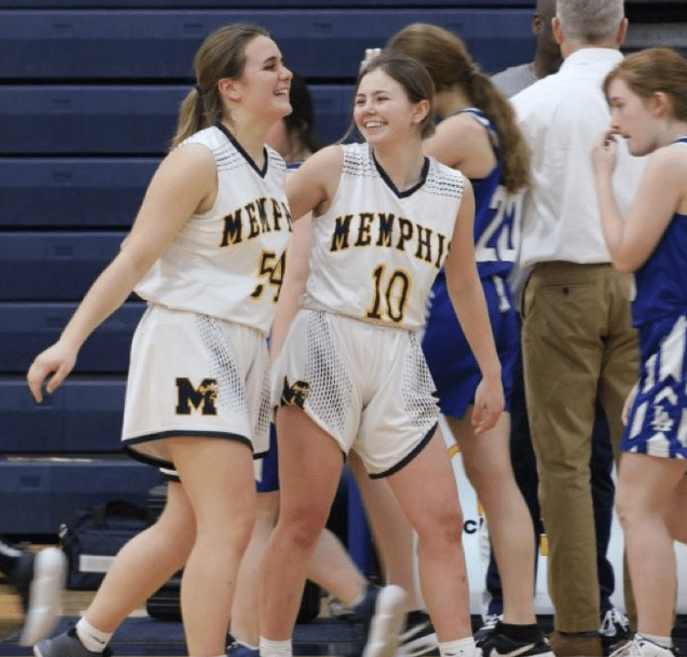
241, 150
393, 188
409, 457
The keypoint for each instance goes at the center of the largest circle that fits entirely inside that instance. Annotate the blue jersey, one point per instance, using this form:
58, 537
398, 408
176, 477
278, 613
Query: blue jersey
496, 223
453, 366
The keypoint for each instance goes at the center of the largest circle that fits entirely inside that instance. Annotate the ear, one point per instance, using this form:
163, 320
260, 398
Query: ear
557, 30
421, 111
660, 104
537, 25
622, 32
229, 89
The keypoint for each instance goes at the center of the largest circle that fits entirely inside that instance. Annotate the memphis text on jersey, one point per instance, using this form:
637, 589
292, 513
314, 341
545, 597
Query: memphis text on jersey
263, 215
384, 229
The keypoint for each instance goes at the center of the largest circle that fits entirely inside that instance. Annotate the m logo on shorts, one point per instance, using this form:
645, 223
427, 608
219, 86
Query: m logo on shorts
295, 394
202, 398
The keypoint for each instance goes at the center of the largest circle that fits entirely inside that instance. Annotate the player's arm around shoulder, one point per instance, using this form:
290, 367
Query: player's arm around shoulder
312, 186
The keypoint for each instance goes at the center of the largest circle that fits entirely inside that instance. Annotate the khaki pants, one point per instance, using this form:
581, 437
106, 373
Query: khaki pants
578, 343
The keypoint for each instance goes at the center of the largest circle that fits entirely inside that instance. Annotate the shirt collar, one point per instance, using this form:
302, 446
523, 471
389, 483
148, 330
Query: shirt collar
595, 56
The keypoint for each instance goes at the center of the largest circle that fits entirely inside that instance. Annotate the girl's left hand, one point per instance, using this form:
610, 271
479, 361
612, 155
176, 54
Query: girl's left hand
489, 402
605, 153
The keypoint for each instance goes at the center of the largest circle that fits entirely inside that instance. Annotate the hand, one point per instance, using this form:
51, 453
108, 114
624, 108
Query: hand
488, 406
628, 403
370, 53
605, 153
58, 359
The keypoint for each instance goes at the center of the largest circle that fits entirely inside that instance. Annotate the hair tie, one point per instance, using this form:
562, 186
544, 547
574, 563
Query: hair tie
199, 91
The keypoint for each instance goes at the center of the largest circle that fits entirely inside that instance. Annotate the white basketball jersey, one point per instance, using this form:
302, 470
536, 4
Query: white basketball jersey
228, 262
376, 252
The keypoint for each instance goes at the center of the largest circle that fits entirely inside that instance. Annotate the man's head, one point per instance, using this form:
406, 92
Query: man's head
589, 23
548, 56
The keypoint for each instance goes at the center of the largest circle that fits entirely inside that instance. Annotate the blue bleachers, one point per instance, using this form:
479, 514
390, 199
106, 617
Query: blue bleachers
89, 93
318, 43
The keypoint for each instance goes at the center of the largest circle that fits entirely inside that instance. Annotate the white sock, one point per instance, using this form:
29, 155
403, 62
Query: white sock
269, 648
458, 648
93, 639
663, 641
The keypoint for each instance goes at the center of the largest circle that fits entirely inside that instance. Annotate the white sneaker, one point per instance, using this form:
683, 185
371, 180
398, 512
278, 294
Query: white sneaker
42, 586
387, 623
642, 647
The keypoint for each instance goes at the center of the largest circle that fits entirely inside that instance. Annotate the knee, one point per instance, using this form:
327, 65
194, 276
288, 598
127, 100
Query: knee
443, 528
301, 527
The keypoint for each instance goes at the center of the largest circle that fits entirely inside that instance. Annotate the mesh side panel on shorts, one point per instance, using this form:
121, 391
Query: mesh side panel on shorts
419, 391
262, 422
330, 393
231, 388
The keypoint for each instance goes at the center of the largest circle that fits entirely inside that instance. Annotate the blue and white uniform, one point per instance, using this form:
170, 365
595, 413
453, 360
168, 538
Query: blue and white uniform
352, 358
454, 368
658, 419
199, 363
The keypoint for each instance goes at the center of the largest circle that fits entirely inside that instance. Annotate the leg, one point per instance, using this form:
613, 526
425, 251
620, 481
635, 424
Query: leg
676, 518
218, 478
244, 611
310, 464
647, 486
145, 563
487, 464
434, 512
392, 532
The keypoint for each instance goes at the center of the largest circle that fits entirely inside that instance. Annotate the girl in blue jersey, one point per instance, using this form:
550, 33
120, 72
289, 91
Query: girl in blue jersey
209, 271
477, 134
647, 93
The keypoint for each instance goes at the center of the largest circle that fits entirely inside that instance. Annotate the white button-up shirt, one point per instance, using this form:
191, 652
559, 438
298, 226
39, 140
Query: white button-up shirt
561, 117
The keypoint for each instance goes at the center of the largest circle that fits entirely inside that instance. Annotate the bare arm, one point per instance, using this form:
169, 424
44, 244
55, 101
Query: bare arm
182, 183
661, 192
460, 142
467, 297
312, 186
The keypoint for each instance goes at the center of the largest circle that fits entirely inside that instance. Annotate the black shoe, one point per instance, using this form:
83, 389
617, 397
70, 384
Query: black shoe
418, 637
497, 644
490, 622
614, 630
67, 645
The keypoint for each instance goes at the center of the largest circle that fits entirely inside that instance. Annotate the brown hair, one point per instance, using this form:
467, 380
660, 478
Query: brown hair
653, 70
411, 75
446, 58
221, 55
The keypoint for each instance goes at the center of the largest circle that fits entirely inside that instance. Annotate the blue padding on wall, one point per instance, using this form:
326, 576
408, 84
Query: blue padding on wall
53, 266
39, 495
322, 43
97, 120
71, 193
28, 328
248, 4
82, 415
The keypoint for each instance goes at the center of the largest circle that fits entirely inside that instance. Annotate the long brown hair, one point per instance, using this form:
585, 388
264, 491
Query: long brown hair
446, 58
221, 55
653, 70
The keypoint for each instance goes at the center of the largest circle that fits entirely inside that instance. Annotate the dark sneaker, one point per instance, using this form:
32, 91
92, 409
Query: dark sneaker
66, 645
497, 644
614, 630
237, 649
39, 578
419, 637
490, 622
382, 612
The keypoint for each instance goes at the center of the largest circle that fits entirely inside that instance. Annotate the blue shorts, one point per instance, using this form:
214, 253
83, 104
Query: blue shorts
267, 477
454, 369
657, 423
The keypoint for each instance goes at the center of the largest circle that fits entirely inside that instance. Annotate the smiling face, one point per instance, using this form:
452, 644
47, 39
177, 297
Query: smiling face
632, 118
264, 85
382, 111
